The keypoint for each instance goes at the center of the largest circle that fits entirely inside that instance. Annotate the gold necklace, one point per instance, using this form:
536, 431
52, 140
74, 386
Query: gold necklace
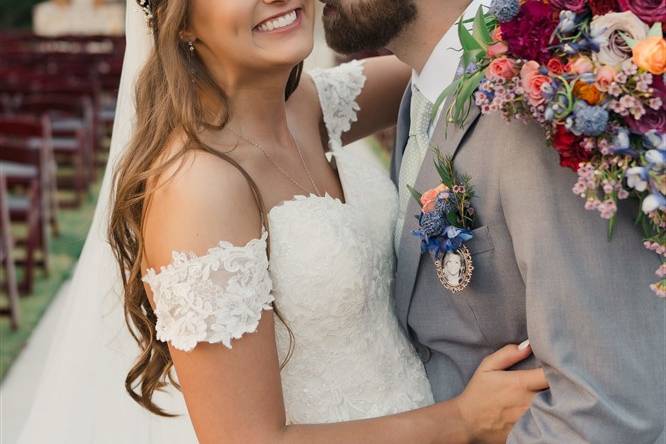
279, 168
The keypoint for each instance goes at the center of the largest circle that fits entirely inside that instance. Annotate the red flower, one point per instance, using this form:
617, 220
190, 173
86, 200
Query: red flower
602, 7
555, 66
528, 34
569, 148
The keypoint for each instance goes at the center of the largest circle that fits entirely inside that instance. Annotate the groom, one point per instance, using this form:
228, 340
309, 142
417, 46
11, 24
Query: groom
543, 265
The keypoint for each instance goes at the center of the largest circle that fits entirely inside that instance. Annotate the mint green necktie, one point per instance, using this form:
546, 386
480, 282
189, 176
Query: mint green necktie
417, 146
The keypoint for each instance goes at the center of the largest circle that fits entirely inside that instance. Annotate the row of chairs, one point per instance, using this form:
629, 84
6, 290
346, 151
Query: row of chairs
57, 103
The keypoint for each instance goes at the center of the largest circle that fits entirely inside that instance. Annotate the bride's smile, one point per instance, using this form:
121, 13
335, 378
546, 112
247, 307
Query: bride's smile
281, 23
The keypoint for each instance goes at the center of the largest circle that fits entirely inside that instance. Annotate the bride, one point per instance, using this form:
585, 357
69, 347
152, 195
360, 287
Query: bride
255, 254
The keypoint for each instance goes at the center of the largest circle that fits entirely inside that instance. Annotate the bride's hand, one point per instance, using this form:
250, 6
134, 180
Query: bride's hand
496, 398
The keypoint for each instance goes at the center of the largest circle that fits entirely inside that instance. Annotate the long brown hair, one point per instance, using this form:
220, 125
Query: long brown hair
168, 98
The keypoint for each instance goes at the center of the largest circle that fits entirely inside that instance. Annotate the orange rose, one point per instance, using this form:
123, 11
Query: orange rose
587, 92
429, 198
650, 54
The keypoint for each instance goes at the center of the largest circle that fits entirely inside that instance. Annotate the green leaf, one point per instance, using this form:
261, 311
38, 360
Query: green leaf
611, 227
468, 42
480, 31
449, 90
655, 31
460, 106
631, 42
415, 194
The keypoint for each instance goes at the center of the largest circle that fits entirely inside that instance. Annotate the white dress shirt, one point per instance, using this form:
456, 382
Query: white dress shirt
440, 69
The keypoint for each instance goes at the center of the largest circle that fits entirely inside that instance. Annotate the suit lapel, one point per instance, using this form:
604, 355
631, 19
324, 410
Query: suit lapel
446, 138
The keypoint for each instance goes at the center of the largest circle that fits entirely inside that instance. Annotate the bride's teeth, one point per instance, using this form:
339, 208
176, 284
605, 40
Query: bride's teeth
280, 22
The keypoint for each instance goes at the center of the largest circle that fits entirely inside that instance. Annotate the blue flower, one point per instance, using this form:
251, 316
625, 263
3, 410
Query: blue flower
454, 238
549, 114
589, 120
656, 158
621, 144
567, 22
505, 10
471, 68
654, 140
637, 178
432, 224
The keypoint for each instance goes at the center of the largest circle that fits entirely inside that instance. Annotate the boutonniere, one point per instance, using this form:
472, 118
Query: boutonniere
445, 223
557, 63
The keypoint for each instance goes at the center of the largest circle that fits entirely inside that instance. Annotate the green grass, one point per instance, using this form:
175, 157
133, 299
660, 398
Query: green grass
63, 253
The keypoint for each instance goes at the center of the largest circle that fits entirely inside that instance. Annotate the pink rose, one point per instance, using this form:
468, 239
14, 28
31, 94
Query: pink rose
582, 65
496, 34
497, 49
429, 198
502, 68
605, 76
532, 82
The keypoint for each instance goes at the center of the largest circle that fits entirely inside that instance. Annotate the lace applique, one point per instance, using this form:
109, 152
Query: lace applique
213, 298
338, 89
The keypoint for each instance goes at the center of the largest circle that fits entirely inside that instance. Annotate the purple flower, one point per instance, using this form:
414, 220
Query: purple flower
651, 120
572, 5
650, 11
528, 36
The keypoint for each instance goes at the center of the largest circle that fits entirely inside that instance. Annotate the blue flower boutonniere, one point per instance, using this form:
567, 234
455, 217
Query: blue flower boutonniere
445, 222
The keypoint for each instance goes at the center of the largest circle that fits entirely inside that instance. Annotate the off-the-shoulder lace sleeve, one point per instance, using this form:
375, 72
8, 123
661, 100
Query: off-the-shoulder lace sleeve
212, 298
338, 89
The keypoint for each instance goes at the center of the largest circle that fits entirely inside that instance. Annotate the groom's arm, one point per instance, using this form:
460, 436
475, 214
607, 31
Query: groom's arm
598, 330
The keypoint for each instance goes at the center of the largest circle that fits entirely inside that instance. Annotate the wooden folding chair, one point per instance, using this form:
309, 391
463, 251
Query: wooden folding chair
7, 259
72, 126
33, 208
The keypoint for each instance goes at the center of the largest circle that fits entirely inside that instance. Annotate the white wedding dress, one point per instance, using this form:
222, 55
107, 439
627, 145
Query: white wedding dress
330, 274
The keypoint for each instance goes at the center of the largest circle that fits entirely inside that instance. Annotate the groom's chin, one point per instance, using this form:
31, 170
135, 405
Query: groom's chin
354, 26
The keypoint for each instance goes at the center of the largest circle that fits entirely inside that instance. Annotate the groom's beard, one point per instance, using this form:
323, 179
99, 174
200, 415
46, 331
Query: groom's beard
358, 25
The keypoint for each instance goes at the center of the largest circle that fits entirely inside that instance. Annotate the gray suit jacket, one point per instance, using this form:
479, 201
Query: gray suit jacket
544, 269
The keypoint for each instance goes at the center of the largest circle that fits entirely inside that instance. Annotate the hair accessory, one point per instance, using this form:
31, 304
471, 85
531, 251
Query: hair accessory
145, 6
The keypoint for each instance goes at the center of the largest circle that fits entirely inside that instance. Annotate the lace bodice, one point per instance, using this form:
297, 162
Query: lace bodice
330, 275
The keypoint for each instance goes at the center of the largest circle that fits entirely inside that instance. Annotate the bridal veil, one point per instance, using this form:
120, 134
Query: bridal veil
81, 396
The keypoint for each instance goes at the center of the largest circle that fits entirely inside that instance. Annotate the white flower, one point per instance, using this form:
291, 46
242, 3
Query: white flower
637, 178
610, 28
650, 203
655, 157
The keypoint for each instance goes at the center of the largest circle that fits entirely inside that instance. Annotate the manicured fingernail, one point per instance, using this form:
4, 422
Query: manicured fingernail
524, 344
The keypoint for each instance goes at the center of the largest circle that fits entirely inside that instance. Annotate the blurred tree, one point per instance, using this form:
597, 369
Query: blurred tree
16, 13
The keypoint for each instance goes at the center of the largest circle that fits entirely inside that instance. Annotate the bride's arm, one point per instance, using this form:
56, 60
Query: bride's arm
234, 394
379, 101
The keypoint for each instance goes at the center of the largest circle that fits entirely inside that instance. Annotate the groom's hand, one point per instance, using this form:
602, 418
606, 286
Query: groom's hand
496, 398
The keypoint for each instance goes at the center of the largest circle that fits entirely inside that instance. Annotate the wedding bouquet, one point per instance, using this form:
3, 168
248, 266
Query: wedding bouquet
591, 73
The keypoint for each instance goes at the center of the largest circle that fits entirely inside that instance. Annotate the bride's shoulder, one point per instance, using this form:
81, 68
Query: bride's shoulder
196, 201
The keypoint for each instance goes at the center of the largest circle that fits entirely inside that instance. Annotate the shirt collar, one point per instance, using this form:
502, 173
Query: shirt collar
439, 71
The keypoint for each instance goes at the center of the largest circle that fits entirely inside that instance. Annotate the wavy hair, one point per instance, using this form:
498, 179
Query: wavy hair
183, 78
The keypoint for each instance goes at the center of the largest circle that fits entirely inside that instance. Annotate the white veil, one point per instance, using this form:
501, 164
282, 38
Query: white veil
81, 397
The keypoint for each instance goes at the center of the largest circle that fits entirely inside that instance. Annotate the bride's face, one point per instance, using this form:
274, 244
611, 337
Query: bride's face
242, 35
